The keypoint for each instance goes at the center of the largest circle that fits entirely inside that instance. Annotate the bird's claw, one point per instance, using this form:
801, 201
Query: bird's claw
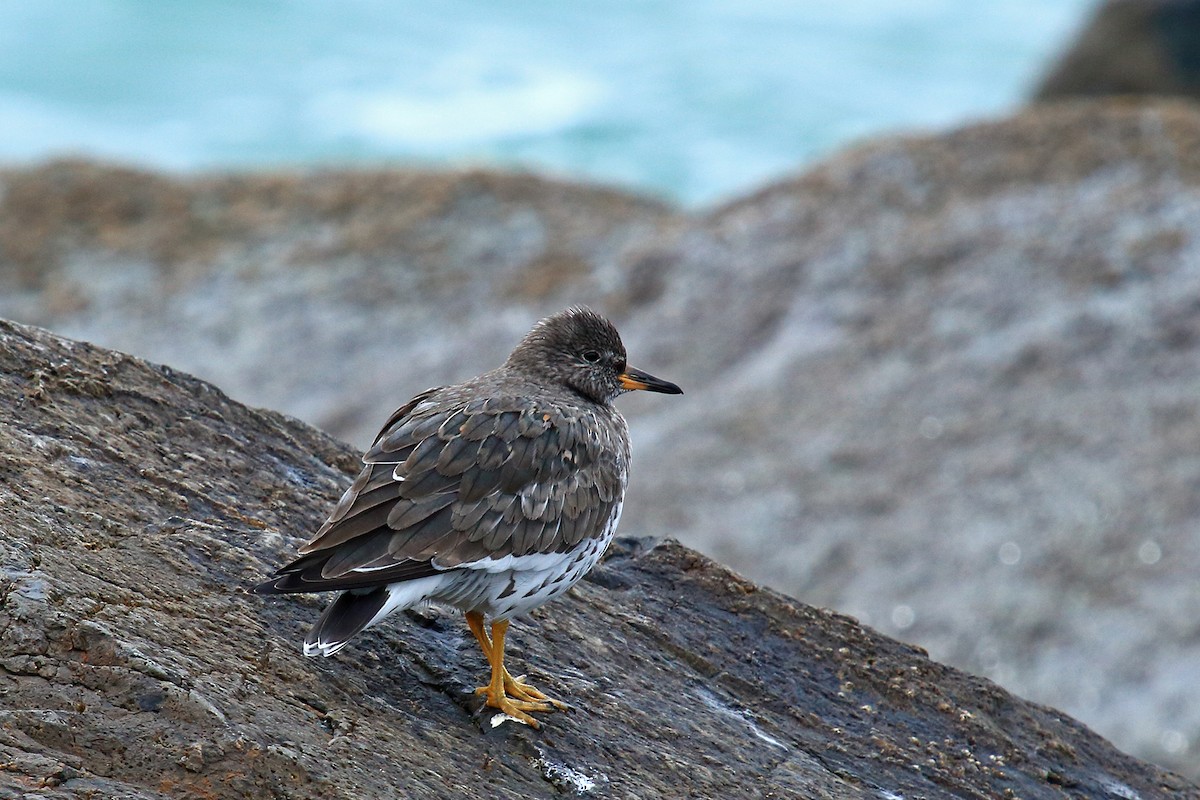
518, 698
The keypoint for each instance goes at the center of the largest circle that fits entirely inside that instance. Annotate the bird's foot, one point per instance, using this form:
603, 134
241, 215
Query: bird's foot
518, 709
518, 697
518, 689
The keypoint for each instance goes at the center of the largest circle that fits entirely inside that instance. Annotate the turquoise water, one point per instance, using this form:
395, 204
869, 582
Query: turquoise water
688, 99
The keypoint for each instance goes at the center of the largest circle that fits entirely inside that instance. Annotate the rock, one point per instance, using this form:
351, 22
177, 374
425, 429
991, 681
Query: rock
141, 504
132, 260
945, 384
1131, 47
954, 395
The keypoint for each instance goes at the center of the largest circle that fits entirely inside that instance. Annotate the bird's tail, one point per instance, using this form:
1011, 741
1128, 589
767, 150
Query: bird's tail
358, 609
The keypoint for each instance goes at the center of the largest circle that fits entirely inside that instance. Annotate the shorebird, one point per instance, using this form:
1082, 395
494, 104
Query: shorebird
494, 495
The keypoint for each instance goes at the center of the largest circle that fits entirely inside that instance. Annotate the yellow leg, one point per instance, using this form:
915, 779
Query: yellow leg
511, 695
475, 623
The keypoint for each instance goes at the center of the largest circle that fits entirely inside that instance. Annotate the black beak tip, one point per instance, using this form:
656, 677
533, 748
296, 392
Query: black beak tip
636, 379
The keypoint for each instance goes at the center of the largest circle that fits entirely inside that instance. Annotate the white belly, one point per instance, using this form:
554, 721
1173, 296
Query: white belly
524, 582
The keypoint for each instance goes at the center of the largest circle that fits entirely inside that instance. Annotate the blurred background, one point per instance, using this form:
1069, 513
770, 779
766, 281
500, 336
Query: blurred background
929, 273
692, 101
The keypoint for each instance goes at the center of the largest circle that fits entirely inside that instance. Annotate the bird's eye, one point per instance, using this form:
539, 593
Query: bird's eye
591, 356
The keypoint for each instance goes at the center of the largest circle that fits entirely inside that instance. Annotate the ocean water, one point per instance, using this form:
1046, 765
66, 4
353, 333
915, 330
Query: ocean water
694, 100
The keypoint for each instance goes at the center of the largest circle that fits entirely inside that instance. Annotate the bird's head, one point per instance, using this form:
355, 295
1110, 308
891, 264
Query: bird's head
581, 350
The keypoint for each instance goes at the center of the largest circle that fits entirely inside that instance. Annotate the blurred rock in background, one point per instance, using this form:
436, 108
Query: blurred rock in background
1131, 47
945, 384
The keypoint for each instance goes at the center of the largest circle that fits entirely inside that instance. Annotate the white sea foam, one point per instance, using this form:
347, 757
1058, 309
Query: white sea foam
535, 102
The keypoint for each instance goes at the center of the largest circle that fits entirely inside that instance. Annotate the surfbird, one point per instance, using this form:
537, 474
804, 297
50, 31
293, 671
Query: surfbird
494, 496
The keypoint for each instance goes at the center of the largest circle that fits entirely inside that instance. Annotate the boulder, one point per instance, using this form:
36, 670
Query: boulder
1130, 47
945, 384
141, 504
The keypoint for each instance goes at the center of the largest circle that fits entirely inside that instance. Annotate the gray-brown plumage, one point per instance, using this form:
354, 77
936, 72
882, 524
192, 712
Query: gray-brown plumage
493, 495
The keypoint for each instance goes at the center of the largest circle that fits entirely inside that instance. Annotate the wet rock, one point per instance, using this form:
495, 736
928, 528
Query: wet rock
944, 384
141, 667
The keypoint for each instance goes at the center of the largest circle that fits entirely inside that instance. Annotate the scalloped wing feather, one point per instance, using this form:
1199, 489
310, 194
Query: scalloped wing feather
449, 484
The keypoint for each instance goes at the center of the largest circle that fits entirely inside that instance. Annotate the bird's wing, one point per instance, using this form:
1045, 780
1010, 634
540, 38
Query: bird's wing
465, 485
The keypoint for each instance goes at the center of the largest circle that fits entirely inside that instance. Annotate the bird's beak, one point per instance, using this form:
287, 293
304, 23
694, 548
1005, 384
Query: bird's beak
636, 379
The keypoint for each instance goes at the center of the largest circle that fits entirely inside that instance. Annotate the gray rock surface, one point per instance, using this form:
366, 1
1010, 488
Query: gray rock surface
970, 411
947, 384
140, 504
